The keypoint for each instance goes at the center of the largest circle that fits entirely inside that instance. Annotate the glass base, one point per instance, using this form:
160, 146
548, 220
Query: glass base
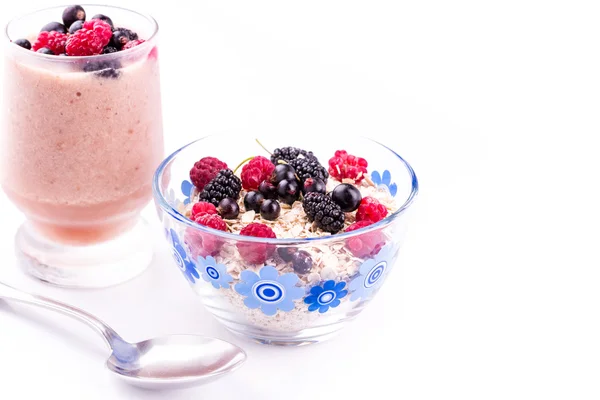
91, 266
303, 337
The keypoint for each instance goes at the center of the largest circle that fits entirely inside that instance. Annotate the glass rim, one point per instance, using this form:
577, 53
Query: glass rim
173, 213
98, 57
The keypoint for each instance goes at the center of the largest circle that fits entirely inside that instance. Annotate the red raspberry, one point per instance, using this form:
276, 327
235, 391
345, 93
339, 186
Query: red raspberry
100, 28
55, 41
346, 166
256, 253
84, 42
203, 207
133, 43
371, 209
257, 170
204, 243
212, 221
365, 245
205, 170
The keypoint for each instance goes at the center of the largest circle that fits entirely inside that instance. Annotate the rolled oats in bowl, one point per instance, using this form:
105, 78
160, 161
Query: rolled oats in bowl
285, 245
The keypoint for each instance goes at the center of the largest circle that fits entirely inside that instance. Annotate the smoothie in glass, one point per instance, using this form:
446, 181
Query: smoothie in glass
81, 138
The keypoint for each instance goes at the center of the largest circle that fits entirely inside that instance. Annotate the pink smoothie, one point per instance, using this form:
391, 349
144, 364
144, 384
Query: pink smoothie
79, 150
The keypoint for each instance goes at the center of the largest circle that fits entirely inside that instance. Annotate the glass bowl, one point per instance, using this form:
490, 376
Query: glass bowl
246, 284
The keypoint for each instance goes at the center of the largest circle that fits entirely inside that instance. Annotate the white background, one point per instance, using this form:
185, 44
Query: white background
495, 103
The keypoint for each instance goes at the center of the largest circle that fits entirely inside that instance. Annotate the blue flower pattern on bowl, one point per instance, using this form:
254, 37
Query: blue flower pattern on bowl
384, 179
214, 273
371, 274
187, 188
323, 297
181, 258
268, 290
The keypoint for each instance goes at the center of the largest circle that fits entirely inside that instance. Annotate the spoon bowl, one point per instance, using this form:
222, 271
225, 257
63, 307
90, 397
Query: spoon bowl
175, 361
168, 362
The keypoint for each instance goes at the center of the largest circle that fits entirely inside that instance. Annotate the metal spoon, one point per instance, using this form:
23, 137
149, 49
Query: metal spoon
168, 362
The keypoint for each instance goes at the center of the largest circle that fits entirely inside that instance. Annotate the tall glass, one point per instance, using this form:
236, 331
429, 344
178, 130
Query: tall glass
81, 138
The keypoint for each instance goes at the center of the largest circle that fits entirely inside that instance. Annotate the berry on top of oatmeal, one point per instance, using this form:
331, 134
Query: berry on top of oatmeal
324, 212
256, 171
346, 196
346, 166
371, 209
288, 154
228, 208
212, 221
203, 207
204, 171
224, 184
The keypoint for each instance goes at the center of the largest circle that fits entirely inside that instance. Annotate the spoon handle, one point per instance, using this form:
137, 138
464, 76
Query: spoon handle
107, 333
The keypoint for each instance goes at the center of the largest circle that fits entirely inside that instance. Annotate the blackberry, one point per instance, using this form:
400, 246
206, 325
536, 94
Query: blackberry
225, 184
309, 168
320, 208
288, 154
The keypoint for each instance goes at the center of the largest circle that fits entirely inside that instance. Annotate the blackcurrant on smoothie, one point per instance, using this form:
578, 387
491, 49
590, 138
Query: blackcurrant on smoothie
81, 138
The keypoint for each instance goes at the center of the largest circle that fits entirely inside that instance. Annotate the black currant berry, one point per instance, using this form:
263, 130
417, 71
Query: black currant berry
54, 26
270, 210
288, 191
286, 253
45, 50
346, 196
283, 172
253, 200
268, 190
104, 18
24, 43
72, 14
122, 36
314, 185
228, 208
302, 262
109, 50
75, 26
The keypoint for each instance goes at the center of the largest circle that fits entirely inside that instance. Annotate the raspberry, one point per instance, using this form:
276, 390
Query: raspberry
54, 41
365, 245
371, 209
211, 220
203, 207
346, 166
257, 170
100, 28
84, 42
205, 171
256, 253
133, 43
204, 243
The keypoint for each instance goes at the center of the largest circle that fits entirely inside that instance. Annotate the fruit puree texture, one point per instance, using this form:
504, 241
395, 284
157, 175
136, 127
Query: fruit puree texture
79, 148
